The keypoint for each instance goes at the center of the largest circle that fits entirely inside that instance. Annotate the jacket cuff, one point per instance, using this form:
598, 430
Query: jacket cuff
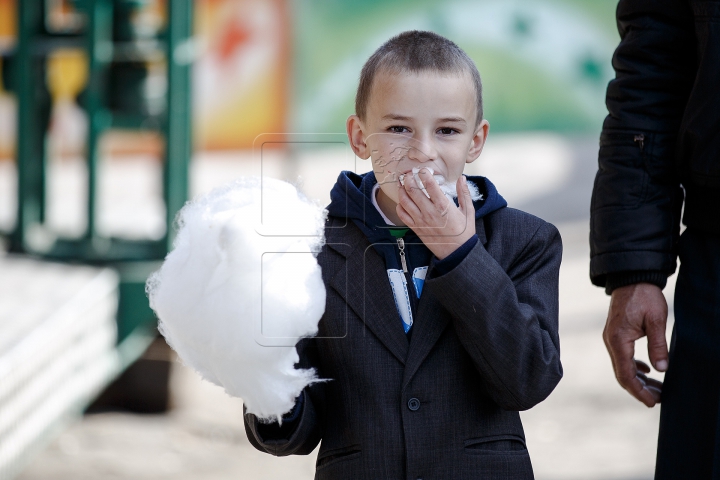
441, 267
622, 279
280, 431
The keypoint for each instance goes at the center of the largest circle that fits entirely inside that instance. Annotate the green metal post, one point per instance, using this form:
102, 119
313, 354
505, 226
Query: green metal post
100, 51
33, 119
178, 135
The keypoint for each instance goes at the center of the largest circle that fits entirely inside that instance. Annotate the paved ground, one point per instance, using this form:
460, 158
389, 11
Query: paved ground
588, 428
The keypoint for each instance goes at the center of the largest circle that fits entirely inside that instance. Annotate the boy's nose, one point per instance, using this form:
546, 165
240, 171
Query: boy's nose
422, 151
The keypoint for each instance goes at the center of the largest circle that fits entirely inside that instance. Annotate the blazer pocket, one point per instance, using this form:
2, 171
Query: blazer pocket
496, 445
337, 455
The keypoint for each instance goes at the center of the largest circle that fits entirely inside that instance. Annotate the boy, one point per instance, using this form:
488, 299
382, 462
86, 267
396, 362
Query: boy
441, 319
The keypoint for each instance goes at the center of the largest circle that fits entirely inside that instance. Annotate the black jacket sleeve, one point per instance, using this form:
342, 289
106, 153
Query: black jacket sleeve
302, 434
636, 201
507, 321
300, 439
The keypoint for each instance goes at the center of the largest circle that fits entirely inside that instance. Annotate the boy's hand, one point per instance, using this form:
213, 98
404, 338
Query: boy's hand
441, 225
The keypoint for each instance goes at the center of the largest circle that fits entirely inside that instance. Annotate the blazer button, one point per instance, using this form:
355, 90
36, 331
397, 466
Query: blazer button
413, 404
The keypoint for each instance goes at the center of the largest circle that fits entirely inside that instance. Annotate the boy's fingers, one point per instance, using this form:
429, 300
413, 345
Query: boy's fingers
464, 198
406, 201
414, 191
404, 216
436, 194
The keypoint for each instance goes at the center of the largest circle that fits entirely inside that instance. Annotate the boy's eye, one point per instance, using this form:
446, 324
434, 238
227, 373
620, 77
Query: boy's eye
398, 129
447, 131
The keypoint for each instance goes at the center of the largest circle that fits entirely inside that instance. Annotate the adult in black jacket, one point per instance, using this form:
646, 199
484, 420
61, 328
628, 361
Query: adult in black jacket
660, 146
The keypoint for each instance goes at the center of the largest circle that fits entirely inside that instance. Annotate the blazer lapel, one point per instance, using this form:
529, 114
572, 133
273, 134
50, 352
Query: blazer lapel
480, 230
362, 281
431, 321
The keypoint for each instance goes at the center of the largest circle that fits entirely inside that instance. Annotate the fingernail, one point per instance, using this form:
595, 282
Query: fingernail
661, 365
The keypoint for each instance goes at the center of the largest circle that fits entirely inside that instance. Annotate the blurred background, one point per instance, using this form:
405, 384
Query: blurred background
114, 112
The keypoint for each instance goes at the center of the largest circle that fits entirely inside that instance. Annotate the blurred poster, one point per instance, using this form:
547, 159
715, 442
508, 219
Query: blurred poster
242, 79
240, 85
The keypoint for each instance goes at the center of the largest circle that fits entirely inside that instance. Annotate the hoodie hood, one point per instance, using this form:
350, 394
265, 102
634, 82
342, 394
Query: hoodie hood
407, 259
351, 198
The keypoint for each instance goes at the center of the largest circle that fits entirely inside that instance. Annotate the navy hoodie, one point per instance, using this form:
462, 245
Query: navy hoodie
351, 198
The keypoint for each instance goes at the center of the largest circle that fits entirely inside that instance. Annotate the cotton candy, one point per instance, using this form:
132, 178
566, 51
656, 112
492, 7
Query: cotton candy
448, 188
241, 286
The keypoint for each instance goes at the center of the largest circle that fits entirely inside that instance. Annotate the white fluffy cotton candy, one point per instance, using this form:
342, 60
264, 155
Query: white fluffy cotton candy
448, 188
233, 300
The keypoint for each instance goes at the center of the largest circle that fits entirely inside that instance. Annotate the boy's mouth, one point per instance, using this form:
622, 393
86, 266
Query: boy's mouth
415, 173
448, 188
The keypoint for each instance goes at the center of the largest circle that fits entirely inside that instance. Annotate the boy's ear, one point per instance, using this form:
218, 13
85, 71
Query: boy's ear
356, 135
478, 141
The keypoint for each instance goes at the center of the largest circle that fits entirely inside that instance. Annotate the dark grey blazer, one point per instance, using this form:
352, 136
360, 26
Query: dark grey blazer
444, 405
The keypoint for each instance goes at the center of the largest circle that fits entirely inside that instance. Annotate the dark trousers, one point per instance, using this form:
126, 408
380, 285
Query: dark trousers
689, 440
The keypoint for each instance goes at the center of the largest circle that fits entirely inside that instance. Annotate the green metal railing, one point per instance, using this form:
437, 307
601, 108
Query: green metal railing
107, 55
117, 55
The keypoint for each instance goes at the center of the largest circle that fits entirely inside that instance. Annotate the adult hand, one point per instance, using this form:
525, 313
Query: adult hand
636, 311
441, 225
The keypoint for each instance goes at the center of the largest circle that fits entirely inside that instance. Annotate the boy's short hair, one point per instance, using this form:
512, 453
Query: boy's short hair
416, 51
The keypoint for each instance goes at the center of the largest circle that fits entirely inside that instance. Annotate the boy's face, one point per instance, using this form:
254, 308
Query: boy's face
418, 120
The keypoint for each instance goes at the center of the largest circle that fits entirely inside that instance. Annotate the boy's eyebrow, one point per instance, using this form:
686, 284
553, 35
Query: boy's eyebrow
392, 116
453, 119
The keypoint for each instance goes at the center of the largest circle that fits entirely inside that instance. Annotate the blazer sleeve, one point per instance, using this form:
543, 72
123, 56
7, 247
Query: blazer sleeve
508, 321
305, 432
636, 200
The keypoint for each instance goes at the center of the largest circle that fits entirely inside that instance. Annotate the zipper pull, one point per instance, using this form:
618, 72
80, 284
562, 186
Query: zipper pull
640, 140
401, 246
